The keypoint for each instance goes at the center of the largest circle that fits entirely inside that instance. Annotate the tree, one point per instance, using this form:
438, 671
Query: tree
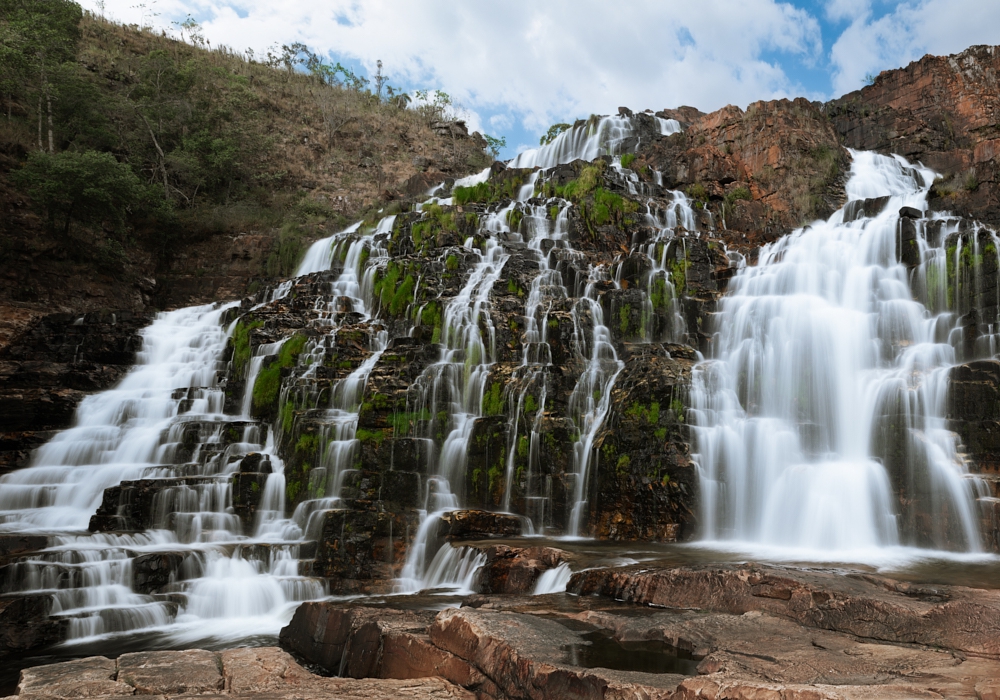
39, 37
494, 144
551, 134
87, 187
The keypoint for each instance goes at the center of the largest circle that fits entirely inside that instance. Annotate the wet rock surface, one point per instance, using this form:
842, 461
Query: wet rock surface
25, 624
47, 369
516, 570
737, 632
867, 606
265, 673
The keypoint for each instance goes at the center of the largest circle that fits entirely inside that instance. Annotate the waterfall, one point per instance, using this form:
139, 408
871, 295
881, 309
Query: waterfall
116, 435
598, 136
591, 398
137, 435
554, 580
819, 424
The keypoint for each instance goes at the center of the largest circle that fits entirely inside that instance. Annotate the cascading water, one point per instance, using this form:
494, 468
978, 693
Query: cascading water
454, 387
591, 398
819, 425
138, 431
597, 137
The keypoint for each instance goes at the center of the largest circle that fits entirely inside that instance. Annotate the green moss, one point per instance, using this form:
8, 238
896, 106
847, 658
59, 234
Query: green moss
738, 193
659, 295
495, 476
403, 296
514, 217
451, 263
376, 436
678, 409
623, 319
554, 212
514, 288
660, 434
650, 414
393, 295
697, 192
268, 384
307, 444
292, 490
622, 465
678, 274
254, 487
404, 422
494, 403
530, 405
241, 346
287, 417
479, 192
627, 160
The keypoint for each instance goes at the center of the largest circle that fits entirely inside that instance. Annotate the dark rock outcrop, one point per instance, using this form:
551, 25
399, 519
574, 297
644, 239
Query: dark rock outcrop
25, 625
50, 367
516, 570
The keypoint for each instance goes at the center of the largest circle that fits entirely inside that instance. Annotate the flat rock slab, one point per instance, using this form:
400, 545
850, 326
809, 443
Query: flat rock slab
524, 655
92, 677
194, 671
266, 673
871, 607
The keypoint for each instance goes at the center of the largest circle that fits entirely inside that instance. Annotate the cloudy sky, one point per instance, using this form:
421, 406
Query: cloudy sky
518, 66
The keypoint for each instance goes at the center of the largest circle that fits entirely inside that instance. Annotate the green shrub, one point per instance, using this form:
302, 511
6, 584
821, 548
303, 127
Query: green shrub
88, 188
268, 384
241, 346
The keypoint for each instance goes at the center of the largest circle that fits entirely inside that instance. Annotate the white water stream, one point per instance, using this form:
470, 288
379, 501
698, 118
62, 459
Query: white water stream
828, 393
822, 352
229, 584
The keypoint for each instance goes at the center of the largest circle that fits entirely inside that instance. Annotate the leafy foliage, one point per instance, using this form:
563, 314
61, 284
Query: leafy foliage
88, 187
551, 134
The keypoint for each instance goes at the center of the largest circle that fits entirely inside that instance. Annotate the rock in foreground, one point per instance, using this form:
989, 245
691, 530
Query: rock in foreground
265, 673
740, 632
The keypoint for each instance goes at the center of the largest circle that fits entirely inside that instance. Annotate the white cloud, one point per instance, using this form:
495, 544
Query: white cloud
542, 62
908, 32
847, 9
538, 63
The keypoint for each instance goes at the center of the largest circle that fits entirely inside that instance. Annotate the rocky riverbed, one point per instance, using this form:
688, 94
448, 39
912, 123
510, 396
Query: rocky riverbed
678, 633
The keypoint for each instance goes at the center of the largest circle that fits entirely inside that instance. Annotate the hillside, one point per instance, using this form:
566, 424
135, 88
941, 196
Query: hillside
231, 165
720, 392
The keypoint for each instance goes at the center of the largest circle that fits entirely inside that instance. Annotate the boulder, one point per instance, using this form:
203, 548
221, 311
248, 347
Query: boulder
191, 672
94, 676
478, 524
25, 625
516, 570
265, 673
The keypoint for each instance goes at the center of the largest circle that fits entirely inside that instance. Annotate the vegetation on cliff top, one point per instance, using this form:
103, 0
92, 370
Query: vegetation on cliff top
129, 142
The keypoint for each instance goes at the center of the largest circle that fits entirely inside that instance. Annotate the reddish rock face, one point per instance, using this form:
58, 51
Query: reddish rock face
737, 642
940, 110
265, 673
868, 607
516, 570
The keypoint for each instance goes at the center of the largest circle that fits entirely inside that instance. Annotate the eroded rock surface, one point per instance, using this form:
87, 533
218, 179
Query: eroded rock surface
265, 673
869, 607
741, 632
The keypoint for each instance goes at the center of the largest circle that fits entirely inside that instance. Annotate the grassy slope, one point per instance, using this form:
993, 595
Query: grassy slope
308, 180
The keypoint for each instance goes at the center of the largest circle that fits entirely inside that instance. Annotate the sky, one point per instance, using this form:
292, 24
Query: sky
516, 67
